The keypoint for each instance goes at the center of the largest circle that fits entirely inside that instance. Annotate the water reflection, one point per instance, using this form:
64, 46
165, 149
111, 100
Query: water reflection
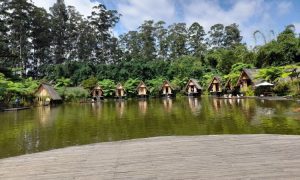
216, 104
45, 128
120, 107
46, 115
142, 106
194, 105
167, 102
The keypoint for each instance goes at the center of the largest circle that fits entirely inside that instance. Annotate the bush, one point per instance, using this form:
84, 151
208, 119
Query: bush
108, 87
89, 83
73, 93
281, 88
154, 86
130, 86
248, 91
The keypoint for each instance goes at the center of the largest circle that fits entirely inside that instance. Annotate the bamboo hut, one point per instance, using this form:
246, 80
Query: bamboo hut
46, 94
193, 88
120, 91
228, 86
247, 78
142, 90
97, 93
166, 89
215, 86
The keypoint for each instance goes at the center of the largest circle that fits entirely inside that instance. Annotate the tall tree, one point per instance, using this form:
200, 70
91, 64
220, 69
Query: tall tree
41, 39
19, 14
148, 40
73, 32
196, 37
216, 35
102, 21
131, 44
232, 35
5, 54
177, 39
161, 34
59, 25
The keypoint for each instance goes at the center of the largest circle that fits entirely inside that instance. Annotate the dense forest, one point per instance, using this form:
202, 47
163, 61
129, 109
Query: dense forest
65, 48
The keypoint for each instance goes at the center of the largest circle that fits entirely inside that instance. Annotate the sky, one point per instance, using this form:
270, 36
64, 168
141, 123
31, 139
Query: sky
250, 15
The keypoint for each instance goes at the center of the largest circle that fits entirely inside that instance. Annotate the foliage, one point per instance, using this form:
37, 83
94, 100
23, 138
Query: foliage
178, 84
248, 91
75, 49
282, 88
271, 74
130, 86
154, 86
236, 71
89, 83
108, 87
73, 93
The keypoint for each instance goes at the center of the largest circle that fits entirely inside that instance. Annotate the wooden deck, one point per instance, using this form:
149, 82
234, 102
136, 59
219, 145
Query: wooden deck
195, 157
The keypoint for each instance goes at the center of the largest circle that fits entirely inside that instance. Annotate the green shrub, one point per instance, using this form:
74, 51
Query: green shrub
89, 83
73, 93
282, 88
108, 87
154, 86
248, 91
130, 86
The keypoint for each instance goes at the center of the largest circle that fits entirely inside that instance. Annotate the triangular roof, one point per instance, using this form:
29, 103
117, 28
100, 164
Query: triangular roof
195, 82
166, 82
120, 86
251, 73
218, 78
228, 83
98, 87
51, 91
142, 84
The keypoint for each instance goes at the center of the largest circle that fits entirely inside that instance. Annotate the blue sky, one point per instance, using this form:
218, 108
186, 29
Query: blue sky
251, 15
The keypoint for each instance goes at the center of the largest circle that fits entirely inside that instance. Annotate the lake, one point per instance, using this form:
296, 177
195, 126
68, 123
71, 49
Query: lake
44, 128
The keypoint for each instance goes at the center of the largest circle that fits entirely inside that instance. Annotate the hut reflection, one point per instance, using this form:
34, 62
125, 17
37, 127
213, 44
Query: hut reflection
46, 115
194, 105
167, 102
216, 104
120, 107
143, 106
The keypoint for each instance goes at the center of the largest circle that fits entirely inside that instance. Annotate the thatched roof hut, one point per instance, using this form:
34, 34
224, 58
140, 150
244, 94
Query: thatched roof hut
228, 85
97, 91
215, 86
166, 88
46, 94
248, 78
142, 89
193, 87
120, 91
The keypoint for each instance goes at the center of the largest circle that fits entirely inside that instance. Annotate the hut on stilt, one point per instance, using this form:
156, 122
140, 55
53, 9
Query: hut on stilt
46, 95
166, 89
97, 93
215, 86
228, 87
193, 88
120, 91
247, 79
142, 90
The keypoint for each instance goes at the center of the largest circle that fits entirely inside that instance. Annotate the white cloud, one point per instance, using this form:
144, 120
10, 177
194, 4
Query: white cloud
297, 27
83, 6
284, 7
242, 12
134, 12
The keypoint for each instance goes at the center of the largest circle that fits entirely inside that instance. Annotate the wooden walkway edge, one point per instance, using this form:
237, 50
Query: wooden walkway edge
187, 157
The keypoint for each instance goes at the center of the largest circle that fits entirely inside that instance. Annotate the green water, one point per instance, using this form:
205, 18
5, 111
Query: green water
45, 128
